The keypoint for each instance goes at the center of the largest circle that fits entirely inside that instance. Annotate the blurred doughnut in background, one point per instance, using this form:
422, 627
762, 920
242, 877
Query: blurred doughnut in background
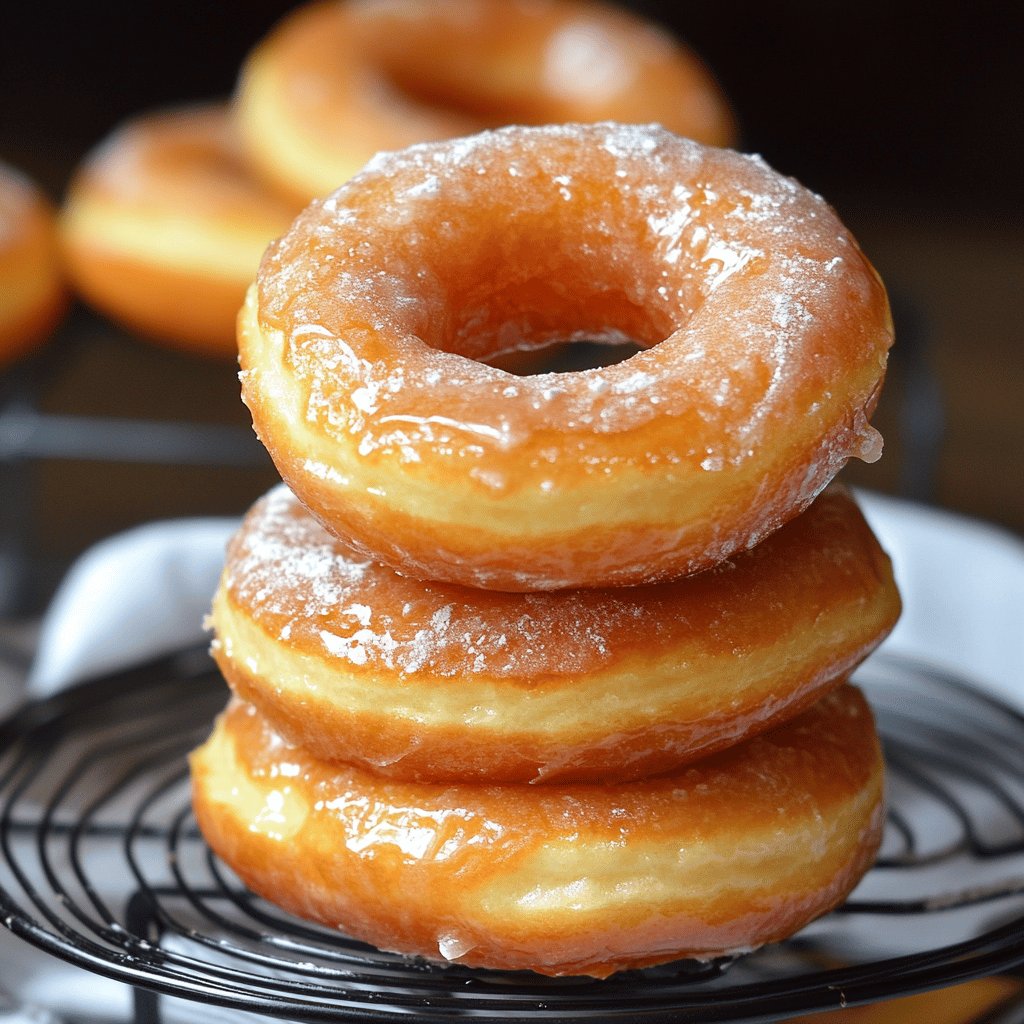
164, 226
335, 83
32, 293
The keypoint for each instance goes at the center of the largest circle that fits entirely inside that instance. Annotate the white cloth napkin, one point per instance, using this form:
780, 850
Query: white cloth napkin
962, 583
135, 596
145, 592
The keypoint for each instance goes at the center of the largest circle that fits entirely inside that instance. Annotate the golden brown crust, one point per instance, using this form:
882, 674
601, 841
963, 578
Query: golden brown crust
337, 82
741, 849
443, 683
766, 335
33, 295
164, 227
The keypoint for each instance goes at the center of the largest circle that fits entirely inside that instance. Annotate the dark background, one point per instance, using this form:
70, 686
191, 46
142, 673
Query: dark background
907, 117
916, 101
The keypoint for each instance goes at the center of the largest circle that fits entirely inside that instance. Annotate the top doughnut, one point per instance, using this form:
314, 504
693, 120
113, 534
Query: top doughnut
335, 82
763, 327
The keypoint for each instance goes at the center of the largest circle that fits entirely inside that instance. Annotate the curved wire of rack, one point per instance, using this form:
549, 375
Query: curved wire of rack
101, 865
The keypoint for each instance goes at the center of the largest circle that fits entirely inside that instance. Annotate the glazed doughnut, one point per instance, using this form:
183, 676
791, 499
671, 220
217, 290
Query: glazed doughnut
765, 334
33, 297
164, 227
440, 683
336, 82
741, 849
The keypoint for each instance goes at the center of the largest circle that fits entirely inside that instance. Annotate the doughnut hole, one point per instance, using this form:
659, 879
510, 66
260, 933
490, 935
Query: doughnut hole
537, 286
539, 266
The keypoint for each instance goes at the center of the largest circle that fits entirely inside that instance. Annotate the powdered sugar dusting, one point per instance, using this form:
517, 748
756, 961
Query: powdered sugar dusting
284, 570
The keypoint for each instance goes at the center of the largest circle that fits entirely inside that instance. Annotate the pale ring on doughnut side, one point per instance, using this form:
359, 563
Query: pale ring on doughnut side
442, 683
336, 82
741, 849
765, 335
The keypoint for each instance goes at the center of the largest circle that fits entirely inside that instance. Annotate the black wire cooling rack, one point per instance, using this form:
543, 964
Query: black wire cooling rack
101, 865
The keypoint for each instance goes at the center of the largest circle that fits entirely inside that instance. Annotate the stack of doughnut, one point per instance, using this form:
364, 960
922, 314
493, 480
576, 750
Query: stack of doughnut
550, 672
165, 221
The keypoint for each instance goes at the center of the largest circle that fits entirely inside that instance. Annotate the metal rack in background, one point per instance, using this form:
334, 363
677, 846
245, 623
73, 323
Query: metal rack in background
101, 865
30, 436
